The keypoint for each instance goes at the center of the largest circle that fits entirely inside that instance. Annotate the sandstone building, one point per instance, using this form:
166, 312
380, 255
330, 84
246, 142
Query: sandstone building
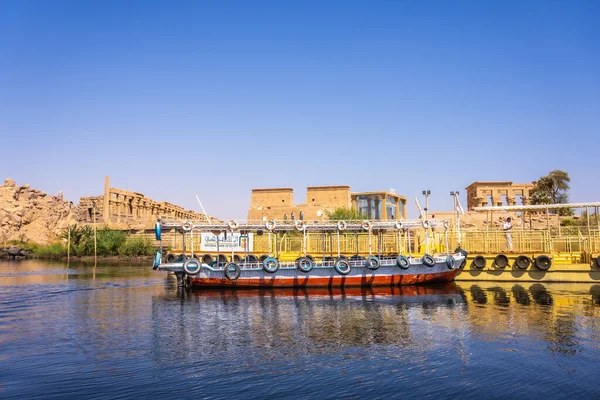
278, 203
483, 194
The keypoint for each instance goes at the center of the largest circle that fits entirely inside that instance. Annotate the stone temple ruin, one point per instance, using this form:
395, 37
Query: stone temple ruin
118, 208
28, 214
484, 194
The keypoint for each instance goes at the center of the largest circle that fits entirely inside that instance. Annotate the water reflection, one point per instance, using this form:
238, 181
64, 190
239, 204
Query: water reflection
297, 322
126, 330
310, 321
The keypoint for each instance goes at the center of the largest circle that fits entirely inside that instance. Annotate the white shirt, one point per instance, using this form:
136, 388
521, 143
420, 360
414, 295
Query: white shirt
507, 226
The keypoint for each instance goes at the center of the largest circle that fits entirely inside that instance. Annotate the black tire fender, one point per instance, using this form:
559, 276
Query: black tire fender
232, 271
479, 261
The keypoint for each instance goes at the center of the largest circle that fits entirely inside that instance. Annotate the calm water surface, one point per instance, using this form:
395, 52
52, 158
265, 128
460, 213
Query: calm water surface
127, 331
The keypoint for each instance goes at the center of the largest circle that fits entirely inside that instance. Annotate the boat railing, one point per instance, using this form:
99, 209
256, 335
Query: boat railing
318, 263
299, 225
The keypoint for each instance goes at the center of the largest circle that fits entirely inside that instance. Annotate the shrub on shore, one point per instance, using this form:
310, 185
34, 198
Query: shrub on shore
51, 251
109, 242
136, 247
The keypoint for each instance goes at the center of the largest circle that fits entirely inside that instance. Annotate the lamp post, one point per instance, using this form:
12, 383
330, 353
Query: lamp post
426, 193
454, 195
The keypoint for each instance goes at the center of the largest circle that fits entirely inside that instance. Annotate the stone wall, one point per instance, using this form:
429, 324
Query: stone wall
483, 221
278, 203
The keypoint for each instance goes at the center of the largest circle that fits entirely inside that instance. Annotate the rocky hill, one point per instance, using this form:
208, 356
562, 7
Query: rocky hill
28, 214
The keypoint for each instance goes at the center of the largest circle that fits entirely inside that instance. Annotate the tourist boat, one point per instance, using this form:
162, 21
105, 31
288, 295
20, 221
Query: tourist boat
306, 270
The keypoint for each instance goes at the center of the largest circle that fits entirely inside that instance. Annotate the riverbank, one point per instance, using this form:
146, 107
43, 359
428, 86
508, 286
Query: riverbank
20, 253
84, 245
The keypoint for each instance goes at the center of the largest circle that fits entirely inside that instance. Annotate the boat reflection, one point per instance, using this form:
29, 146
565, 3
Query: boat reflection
297, 322
419, 319
405, 293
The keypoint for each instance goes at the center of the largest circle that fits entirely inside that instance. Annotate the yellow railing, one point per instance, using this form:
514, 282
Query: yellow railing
475, 241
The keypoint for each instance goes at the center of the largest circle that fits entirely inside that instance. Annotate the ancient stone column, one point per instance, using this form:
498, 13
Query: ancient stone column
106, 199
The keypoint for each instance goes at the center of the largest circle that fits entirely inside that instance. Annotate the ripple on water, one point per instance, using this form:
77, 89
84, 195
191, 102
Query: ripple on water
114, 332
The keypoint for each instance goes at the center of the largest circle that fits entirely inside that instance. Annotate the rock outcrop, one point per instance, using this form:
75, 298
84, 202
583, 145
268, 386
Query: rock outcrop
28, 214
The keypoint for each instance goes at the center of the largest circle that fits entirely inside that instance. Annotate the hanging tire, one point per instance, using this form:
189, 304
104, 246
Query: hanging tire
233, 225
232, 271
372, 263
479, 262
598, 262
501, 261
461, 251
192, 267
342, 267
403, 262
304, 264
170, 258
270, 265
543, 262
270, 225
450, 262
187, 226
300, 226
522, 262
428, 261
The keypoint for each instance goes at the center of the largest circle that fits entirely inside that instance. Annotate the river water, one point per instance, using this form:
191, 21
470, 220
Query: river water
128, 332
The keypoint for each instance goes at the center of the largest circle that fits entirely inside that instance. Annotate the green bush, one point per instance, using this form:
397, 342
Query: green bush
24, 245
570, 222
136, 247
109, 241
55, 250
343, 213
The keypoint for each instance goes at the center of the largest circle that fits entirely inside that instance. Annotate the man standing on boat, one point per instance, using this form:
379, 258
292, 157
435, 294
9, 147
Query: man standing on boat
507, 228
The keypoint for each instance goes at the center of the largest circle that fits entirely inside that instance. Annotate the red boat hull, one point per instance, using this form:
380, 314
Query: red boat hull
326, 281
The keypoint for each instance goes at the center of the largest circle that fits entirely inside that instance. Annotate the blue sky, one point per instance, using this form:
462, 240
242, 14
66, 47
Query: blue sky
176, 98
